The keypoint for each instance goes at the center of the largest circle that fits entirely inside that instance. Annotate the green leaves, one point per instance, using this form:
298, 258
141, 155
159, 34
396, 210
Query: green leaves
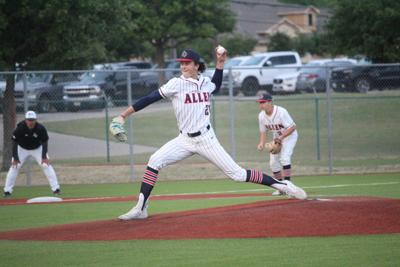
366, 27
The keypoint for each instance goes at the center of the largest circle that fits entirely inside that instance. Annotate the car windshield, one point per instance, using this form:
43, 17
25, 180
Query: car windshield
339, 63
173, 65
252, 61
94, 76
318, 67
39, 78
233, 62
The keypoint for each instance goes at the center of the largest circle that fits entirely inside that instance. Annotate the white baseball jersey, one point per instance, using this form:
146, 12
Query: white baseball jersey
279, 121
191, 102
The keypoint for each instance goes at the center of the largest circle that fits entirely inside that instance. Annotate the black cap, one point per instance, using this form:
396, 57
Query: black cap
189, 55
264, 98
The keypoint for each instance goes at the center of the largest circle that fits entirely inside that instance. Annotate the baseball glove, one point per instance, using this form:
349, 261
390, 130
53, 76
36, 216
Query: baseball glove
117, 129
273, 147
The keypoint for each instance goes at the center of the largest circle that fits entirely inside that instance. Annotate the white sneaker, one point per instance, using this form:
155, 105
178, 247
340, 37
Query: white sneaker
291, 190
277, 193
136, 212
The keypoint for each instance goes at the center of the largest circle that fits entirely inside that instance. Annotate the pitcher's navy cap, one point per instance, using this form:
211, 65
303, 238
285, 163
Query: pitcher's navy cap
189, 55
264, 98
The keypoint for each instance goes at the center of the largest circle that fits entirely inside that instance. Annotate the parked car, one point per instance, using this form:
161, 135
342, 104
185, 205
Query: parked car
44, 91
285, 83
96, 88
363, 78
123, 65
230, 64
259, 71
171, 69
313, 75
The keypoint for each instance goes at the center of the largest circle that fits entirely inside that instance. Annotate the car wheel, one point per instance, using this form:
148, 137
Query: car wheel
250, 86
44, 104
362, 85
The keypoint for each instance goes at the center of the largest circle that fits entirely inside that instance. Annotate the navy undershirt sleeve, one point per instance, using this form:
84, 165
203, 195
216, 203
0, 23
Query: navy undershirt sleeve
15, 150
217, 80
147, 100
44, 150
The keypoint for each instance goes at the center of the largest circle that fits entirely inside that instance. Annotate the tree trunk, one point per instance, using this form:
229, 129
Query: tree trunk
9, 121
161, 63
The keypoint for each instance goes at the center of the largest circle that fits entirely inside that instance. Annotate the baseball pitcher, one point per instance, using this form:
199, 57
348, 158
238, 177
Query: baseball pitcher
190, 95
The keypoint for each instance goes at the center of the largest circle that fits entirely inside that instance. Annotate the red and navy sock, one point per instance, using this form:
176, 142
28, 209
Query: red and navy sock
278, 175
149, 180
287, 172
258, 177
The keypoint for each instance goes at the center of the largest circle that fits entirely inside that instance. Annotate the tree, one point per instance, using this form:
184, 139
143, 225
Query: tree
171, 24
315, 44
280, 42
54, 34
238, 45
366, 27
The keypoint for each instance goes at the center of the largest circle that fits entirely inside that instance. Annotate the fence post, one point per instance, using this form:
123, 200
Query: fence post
317, 127
232, 116
329, 120
107, 134
130, 135
25, 84
26, 107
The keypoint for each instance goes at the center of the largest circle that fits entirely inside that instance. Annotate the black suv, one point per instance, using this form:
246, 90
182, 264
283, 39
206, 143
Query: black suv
96, 88
363, 78
44, 91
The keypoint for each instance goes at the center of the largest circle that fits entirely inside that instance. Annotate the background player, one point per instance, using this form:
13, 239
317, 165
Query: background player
30, 139
190, 95
277, 120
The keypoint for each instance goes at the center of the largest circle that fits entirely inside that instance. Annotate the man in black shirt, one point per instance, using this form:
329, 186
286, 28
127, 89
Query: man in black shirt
30, 139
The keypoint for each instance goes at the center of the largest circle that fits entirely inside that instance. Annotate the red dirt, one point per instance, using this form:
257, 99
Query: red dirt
277, 218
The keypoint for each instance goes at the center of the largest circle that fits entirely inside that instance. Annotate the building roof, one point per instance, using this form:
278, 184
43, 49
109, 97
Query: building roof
254, 16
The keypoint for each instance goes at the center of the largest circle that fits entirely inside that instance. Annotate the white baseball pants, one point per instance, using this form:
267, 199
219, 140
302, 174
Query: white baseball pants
23, 154
205, 145
276, 161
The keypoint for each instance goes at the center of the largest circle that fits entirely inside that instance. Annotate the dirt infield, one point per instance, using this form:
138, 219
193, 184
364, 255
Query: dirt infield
277, 218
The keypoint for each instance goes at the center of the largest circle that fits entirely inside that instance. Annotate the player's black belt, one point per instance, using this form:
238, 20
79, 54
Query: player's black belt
197, 133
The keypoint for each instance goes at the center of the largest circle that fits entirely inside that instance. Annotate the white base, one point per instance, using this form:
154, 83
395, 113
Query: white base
44, 200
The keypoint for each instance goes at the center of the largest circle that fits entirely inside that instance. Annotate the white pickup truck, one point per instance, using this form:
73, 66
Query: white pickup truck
259, 71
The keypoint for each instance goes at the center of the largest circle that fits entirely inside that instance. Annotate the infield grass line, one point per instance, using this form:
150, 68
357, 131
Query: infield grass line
272, 189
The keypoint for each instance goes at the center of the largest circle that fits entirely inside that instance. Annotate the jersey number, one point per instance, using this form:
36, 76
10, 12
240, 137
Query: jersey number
207, 110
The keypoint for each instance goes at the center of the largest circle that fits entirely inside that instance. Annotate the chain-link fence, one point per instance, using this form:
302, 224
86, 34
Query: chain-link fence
340, 130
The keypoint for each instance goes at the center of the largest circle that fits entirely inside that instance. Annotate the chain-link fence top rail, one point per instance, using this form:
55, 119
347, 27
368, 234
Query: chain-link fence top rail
76, 107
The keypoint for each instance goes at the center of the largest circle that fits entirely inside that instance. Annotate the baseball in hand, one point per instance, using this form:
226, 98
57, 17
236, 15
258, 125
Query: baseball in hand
220, 50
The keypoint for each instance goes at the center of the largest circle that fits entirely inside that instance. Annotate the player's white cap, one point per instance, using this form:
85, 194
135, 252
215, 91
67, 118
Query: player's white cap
30, 115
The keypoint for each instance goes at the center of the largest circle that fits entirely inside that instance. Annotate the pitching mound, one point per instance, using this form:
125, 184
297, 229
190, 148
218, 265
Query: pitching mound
278, 218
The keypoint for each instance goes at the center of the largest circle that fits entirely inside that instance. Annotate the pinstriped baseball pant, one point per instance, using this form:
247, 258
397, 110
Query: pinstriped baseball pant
205, 145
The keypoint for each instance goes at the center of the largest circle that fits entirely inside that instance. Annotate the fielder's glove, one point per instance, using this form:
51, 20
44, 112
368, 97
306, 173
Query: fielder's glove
117, 129
273, 147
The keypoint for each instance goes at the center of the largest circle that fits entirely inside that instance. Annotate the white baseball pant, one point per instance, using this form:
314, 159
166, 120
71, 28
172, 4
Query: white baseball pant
23, 154
276, 161
205, 145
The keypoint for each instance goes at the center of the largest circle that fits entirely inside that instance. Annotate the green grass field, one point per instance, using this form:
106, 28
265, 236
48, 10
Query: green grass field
371, 250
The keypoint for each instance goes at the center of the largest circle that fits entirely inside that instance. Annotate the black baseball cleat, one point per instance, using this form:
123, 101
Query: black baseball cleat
57, 192
7, 194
